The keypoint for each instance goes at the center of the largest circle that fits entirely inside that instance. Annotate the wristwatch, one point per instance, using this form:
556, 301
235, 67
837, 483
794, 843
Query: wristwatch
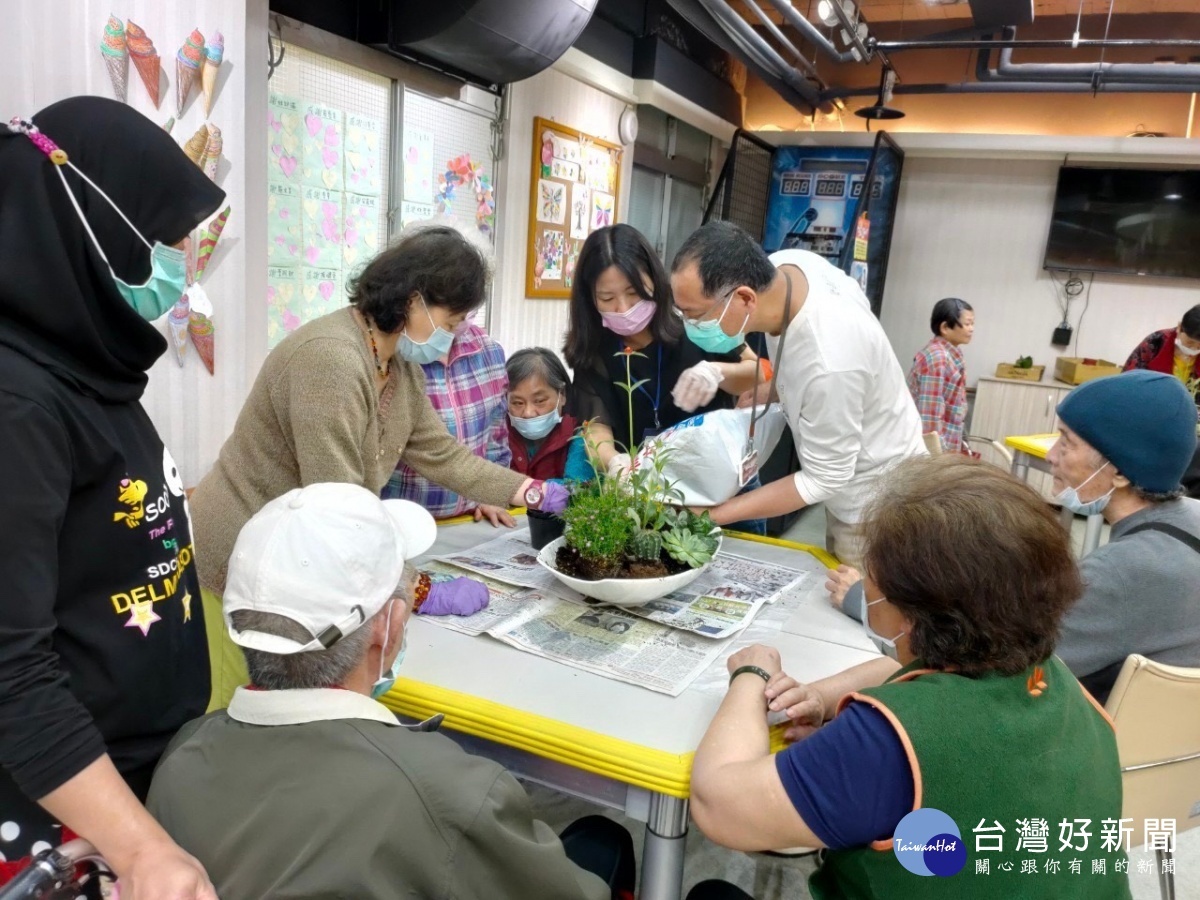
534, 494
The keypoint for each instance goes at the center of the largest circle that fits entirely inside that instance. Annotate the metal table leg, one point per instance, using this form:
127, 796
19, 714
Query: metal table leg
662, 853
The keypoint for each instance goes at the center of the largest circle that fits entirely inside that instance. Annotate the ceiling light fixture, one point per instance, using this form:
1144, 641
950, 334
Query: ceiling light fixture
881, 110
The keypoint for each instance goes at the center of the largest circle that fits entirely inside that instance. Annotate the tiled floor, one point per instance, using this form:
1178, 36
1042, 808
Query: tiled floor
769, 878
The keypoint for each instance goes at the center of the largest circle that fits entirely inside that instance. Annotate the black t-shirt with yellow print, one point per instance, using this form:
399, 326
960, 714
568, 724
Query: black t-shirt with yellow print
102, 641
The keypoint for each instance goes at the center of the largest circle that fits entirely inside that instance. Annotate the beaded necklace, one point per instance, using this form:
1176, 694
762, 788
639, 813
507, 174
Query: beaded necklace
381, 367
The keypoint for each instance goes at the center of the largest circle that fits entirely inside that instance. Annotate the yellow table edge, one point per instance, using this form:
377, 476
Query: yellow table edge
581, 748
1037, 445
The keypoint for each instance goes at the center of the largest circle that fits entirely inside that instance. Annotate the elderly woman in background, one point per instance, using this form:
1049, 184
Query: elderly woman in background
542, 438
968, 713
333, 403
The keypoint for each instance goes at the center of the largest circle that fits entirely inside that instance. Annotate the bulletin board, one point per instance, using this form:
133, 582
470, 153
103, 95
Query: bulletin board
329, 127
574, 183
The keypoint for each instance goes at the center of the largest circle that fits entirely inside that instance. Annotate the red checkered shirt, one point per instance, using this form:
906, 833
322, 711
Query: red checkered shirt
469, 392
938, 384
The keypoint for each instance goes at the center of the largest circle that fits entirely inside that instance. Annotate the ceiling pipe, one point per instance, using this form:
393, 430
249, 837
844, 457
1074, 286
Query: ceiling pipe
810, 31
1112, 77
1001, 44
779, 36
1008, 87
753, 45
851, 30
985, 75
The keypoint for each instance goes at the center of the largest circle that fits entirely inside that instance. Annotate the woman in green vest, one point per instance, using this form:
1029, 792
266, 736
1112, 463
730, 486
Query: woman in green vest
968, 717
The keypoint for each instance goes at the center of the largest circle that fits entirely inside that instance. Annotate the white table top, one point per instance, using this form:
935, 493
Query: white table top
485, 668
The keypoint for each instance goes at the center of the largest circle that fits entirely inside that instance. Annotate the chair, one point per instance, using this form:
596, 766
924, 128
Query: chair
933, 443
1153, 707
990, 451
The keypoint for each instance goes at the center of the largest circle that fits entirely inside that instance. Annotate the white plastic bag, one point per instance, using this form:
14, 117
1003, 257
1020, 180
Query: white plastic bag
705, 454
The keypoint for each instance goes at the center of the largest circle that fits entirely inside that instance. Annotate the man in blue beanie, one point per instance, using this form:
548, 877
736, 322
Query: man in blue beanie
1124, 444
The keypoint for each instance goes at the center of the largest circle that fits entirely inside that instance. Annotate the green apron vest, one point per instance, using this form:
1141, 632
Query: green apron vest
991, 750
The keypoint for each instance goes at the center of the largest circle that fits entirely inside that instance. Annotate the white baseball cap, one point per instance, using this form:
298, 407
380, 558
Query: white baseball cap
327, 556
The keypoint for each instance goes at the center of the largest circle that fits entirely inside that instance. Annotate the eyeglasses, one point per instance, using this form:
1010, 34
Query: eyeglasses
704, 315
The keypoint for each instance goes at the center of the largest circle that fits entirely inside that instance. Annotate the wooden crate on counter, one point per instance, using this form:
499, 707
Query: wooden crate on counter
1008, 370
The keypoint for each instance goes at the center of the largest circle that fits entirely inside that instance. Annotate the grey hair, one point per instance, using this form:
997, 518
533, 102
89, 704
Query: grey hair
525, 364
314, 668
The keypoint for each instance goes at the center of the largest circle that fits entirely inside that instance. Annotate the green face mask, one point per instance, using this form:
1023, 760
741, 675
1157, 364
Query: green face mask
168, 266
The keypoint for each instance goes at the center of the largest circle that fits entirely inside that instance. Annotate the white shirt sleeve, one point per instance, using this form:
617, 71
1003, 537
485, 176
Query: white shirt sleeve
829, 431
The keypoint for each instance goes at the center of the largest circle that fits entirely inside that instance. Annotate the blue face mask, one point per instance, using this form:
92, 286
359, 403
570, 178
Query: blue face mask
384, 682
1069, 497
708, 335
432, 348
168, 266
538, 427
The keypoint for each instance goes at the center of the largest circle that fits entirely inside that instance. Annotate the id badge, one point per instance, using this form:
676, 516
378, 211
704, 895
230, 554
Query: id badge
749, 466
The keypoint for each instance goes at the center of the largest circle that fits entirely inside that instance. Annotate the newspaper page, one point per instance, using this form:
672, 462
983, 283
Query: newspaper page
599, 639
609, 642
512, 560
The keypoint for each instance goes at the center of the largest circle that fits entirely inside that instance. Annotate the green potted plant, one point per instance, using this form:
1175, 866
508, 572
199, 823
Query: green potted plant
629, 527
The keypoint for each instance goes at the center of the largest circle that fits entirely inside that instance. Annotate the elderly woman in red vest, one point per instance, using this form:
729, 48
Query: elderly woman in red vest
542, 438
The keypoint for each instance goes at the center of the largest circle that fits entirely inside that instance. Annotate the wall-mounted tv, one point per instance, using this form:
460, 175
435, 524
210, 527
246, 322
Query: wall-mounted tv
1127, 221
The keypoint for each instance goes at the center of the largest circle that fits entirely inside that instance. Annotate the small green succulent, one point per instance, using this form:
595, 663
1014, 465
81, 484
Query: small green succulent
689, 549
646, 545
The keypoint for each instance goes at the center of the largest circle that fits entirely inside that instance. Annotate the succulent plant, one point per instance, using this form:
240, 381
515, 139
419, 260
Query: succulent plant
646, 545
689, 549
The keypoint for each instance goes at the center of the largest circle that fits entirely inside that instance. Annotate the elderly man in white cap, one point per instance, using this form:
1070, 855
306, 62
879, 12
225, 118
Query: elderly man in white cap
306, 786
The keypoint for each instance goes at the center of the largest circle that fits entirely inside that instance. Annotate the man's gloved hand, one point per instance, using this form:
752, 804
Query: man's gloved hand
697, 386
619, 466
554, 498
460, 597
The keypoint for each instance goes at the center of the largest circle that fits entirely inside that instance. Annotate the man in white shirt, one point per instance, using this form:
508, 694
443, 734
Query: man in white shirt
836, 375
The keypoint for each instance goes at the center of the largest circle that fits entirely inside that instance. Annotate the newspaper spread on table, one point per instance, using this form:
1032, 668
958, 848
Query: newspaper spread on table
720, 603
662, 646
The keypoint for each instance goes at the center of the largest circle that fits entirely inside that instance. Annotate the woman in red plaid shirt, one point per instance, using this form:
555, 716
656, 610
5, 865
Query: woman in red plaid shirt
938, 379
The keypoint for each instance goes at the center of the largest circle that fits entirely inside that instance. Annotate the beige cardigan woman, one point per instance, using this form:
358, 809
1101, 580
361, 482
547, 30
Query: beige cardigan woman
314, 415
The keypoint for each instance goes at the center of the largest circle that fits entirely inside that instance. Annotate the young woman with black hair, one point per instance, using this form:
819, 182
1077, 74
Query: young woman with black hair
621, 301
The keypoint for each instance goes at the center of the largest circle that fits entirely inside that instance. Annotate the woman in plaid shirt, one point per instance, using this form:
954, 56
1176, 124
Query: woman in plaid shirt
468, 389
938, 379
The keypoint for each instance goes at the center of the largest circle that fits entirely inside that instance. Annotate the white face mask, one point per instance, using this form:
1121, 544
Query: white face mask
384, 682
886, 646
1186, 351
1069, 497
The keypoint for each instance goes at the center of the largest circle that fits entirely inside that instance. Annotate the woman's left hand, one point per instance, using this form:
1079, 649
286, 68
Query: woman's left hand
766, 658
497, 515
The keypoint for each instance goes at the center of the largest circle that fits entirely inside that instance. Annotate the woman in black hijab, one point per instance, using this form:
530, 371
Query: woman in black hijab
102, 650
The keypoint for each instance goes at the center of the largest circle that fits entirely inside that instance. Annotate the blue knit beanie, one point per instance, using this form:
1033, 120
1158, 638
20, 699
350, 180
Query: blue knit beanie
1143, 422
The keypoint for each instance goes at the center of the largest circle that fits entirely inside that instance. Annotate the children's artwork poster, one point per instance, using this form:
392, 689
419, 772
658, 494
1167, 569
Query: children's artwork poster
360, 231
321, 228
552, 202
283, 298
321, 147
814, 195
602, 210
418, 165
551, 250
574, 185
818, 200
414, 212
581, 211
362, 155
283, 139
321, 293
283, 224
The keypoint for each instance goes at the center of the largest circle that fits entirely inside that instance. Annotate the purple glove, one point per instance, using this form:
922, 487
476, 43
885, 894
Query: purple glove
460, 597
554, 499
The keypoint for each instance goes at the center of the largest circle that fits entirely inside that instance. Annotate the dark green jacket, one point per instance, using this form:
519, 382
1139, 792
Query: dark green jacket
322, 794
991, 751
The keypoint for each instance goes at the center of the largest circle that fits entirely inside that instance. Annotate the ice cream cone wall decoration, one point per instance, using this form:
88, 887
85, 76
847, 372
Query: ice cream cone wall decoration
145, 59
177, 324
208, 241
214, 52
212, 152
194, 148
187, 68
200, 325
169, 124
116, 56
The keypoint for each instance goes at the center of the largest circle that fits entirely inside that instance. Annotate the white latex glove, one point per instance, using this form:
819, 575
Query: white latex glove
619, 466
696, 386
